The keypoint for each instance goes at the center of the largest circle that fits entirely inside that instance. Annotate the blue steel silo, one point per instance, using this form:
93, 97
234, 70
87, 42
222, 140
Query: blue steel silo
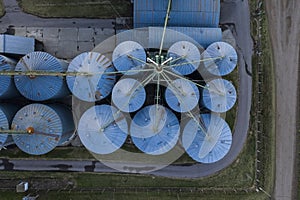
219, 95
182, 95
42, 127
155, 130
207, 140
186, 57
7, 85
98, 83
7, 112
128, 95
102, 129
41, 87
129, 57
220, 58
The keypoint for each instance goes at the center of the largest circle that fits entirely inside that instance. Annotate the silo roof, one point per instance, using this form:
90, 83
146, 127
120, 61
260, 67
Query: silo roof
40, 88
129, 55
155, 130
207, 140
219, 96
128, 95
99, 84
102, 129
220, 58
182, 95
44, 127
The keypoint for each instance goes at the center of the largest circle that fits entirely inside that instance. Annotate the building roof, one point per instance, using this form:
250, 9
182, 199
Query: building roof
194, 13
11, 44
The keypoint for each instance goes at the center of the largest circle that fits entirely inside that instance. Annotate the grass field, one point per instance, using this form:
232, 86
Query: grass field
77, 8
2, 9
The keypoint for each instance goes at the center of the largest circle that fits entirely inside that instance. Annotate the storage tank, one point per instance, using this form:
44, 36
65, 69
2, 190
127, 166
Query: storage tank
37, 87
129, 57
186, 57
42, 127
219, 95
182, 95
102, 129
155, 130
7, 89
128, 95
207, 140
98, 83
7, 112
220, 58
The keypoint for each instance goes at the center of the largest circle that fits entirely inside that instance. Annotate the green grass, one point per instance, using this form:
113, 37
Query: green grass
2, 9
78, 8
267, 155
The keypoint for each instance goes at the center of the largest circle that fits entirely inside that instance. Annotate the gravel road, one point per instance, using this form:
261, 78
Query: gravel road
284, 23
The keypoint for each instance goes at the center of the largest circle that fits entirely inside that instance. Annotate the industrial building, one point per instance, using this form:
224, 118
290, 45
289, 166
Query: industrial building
172, 43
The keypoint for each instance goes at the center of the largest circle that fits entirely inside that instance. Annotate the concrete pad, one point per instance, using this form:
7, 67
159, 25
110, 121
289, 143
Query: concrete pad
50, 33
85, 47
67, 49
69, 34
20, 31
85, 34
35, 32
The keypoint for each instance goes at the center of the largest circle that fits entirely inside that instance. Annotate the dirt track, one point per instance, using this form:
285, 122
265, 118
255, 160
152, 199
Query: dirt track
284, 26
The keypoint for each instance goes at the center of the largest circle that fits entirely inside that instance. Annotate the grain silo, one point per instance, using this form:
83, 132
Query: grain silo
42, 127
129, 57
207, 140
220, 58
102, 129
185, 57
182, 95
155, 130
7, 112
33, 81
128, 95
97, 78
219, 95
7, 89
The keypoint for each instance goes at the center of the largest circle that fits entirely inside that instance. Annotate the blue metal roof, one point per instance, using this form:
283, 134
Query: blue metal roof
208, 143
7, 112
91, 88
102, 129
11, 44
220, 58
186, 57
195, 13
7, 89
129, 55
182, 96
219, 96
155, 130
40, 88
128, 95
52, 124
204, 36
